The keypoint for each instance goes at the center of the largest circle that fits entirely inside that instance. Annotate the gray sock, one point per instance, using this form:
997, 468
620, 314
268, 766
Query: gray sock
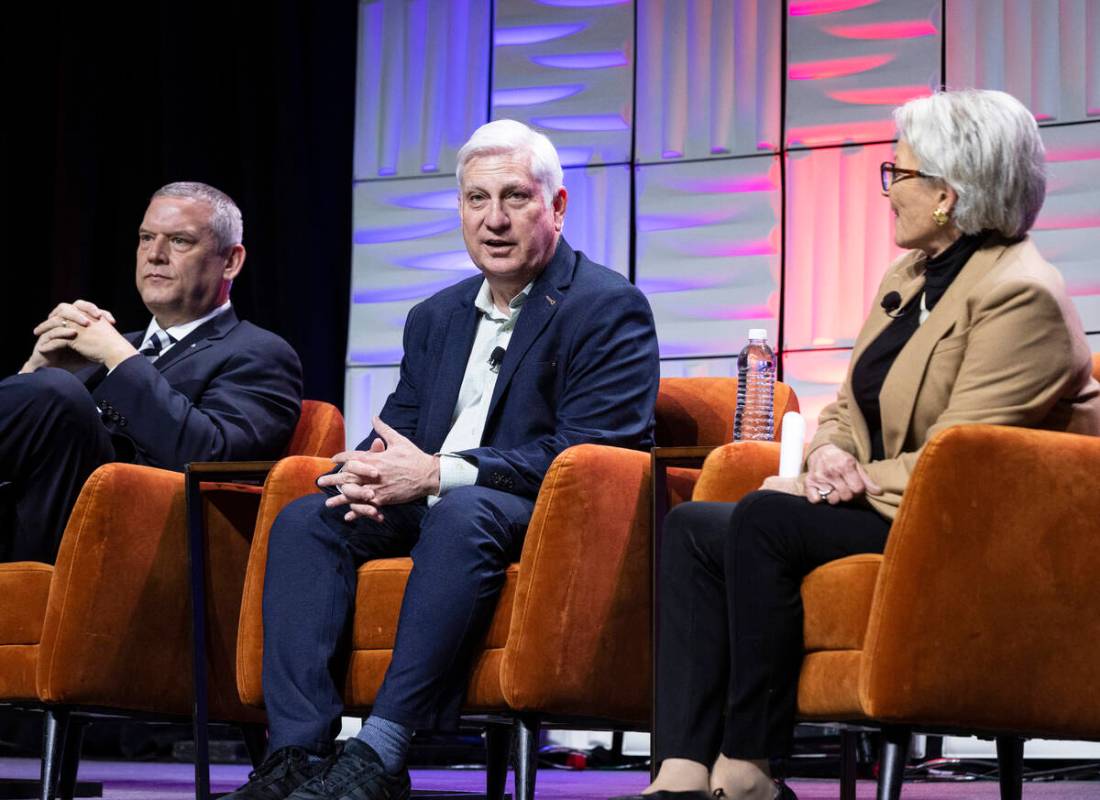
387, 738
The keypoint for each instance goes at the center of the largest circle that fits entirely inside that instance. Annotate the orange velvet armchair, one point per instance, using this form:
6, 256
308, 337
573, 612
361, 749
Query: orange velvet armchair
570, 639
981, 617
108, 626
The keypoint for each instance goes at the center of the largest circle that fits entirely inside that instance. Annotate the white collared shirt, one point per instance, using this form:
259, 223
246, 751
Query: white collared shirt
472, 407
177, 332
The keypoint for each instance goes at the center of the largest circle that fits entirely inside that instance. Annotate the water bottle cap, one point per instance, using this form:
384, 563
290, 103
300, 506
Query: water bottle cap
758, 333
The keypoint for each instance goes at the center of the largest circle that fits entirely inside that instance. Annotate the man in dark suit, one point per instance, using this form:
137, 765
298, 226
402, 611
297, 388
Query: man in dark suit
501, 372
196, 385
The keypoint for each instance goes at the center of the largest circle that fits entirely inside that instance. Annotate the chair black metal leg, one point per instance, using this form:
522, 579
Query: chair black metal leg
70, 760
498, 747
1010, 759
196, 554
54, 727
848, 739
527, 751
255, 741
895, 752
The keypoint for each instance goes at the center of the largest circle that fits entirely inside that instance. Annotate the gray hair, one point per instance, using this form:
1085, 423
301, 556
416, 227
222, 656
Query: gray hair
225, 221
505, 136
985, 145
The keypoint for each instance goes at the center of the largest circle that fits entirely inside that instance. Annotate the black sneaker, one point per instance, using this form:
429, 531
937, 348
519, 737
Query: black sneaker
356, 774
281, 773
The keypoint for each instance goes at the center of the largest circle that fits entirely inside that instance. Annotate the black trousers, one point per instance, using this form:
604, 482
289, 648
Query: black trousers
51, 439
460, 549
729, 642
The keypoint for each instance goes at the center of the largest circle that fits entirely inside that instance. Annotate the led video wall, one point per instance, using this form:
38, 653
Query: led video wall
723, 154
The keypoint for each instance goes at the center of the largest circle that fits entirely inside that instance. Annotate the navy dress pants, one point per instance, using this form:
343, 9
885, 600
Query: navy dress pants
460, 549
729, 640
51, 439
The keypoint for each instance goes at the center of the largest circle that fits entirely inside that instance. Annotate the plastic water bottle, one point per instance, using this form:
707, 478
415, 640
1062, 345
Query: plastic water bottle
755, 390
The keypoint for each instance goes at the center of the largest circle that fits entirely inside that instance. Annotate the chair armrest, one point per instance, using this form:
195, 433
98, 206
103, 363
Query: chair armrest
579, 641
117, 625
986, 614
733, 470
288, 480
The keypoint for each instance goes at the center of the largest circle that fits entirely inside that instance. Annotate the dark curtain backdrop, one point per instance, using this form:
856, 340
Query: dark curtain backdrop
105, 102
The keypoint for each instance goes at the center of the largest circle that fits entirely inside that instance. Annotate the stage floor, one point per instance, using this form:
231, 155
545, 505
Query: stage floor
172, 781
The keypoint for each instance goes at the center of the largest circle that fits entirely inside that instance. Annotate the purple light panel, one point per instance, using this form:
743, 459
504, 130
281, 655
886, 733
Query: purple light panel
407, 245
707, 253
582, 122
614, 58
422, 84
567, 68
1046, 53
597, 215
533, 34
535, 95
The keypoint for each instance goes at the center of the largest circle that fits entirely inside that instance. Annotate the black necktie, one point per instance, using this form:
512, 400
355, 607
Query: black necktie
156, 343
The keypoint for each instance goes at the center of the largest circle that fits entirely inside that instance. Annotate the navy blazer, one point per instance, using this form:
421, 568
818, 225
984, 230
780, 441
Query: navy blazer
229, 390
581, 367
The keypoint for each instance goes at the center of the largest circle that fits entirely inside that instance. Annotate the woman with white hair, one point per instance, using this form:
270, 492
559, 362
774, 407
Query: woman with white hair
971, 325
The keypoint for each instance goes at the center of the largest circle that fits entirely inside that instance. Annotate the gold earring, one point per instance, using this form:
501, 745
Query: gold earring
940, 217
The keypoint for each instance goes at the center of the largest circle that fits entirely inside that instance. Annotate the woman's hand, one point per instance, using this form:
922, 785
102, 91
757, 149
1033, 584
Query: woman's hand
785, 485
835, 476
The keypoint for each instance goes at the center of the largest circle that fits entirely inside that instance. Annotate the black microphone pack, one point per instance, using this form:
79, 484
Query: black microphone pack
891, 302
496, 358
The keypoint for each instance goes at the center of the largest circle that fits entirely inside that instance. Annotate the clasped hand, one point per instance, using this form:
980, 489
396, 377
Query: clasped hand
392, 471
831, 471
75, 335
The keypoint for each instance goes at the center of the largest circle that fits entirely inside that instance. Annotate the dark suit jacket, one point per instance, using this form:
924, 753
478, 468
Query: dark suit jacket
227, 391
581, 367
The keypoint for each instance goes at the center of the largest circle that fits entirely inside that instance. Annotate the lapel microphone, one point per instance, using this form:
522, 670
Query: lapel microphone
496, 358
890, 304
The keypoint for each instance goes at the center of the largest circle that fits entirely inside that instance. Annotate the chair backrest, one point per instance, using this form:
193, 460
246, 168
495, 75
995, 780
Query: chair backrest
320, 431
699, 411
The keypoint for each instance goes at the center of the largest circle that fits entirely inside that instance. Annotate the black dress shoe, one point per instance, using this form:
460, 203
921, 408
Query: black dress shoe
281, 773
355, 774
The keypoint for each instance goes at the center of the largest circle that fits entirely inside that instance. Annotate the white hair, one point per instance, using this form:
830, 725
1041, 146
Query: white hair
225, 220
985, 145
507, 136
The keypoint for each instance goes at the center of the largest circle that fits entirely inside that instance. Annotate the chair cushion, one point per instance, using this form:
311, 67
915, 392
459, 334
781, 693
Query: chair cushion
837, 598
24, 589
378, 603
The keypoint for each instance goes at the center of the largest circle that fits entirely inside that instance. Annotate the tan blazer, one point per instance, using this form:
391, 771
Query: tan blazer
1004, 345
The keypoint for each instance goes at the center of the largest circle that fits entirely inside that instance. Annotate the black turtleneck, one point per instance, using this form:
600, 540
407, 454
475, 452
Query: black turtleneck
871, 369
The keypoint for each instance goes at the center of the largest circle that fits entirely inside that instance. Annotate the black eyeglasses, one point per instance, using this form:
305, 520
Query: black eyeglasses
891, 174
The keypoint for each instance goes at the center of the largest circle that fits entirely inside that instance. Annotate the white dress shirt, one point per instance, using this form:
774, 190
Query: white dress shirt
177, 332
468, 419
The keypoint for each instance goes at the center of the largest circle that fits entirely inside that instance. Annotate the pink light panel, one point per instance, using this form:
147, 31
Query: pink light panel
851, 63
840, 240
815, 377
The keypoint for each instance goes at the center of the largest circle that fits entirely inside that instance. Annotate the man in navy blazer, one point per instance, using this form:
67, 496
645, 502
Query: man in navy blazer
197, 385
501, 373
